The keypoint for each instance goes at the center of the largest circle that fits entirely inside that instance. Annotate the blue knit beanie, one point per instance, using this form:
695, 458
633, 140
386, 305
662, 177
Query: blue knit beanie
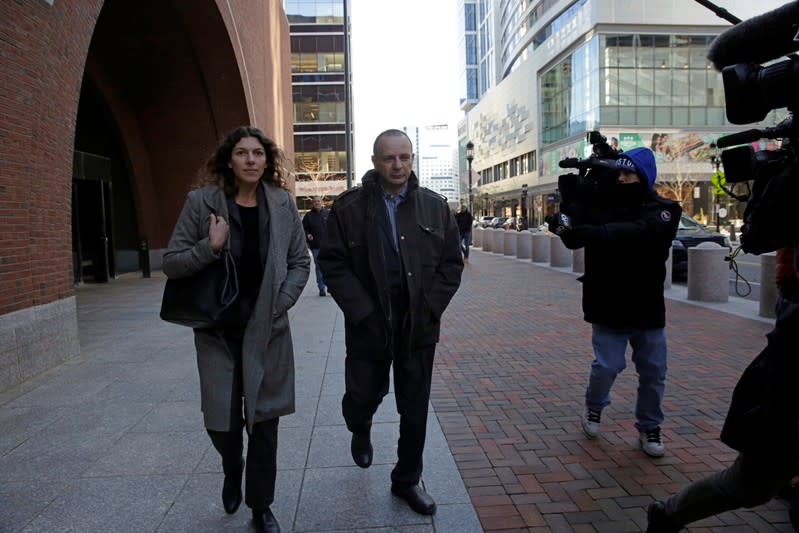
642, 162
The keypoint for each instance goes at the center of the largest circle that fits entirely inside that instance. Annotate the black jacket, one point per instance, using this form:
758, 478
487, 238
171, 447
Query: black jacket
625, 267
763, 419
355, 272
464, 220
314, 223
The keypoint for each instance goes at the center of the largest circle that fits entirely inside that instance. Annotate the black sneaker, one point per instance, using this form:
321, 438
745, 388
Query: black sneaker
322, 292
657, 520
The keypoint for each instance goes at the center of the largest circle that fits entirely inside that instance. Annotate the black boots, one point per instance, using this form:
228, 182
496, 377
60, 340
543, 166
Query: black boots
264, 521
231, 489
658, 521
416, 498
361, 447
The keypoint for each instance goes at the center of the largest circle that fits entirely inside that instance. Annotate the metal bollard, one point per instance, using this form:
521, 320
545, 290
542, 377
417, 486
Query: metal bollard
524, 245
768, 285
499, 241
559, 255
708, 273
488, 240
540, 252
509, 246
477, 237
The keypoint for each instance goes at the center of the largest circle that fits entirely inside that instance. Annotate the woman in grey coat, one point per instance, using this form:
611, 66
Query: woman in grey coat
246, 366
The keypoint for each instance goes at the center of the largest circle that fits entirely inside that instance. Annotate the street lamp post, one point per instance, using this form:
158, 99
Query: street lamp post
469, 159
524, 206
715, 160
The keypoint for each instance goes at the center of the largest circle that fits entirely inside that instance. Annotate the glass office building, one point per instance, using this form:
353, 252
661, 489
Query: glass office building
637, 72
322, 97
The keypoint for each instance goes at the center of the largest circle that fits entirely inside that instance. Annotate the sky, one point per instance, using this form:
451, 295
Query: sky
404, 69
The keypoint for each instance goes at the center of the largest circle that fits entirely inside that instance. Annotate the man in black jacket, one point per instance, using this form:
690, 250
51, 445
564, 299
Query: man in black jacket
626, 244
314, 224
464, 220
392, 262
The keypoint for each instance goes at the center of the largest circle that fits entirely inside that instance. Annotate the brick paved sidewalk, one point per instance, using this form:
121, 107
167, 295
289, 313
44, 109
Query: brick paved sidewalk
508, 389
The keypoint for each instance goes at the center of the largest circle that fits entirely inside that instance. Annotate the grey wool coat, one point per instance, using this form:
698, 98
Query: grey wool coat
267, 350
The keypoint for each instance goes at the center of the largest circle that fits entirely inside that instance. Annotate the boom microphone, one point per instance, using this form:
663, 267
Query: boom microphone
758, 39
742, 137
780, 131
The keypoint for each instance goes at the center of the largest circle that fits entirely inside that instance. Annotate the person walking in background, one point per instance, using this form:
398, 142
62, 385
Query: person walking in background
314, 224
626, 247
392, 261
246, 366
464, 219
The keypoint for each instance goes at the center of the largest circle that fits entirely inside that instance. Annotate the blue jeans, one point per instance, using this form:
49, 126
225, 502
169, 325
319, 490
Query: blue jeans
320, 282
649, 356
466, 240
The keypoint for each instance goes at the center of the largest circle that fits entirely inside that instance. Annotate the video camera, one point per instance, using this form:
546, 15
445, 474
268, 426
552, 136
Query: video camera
751, 92
590, 187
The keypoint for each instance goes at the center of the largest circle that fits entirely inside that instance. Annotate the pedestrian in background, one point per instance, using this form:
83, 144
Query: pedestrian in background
246, 366
626, 247
314, 224
392, 261
464, 219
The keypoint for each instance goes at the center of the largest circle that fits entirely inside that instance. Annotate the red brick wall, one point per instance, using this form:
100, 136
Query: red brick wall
167, 131
42, 52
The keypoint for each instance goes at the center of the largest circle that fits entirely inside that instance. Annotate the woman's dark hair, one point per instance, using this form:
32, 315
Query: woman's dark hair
217, 171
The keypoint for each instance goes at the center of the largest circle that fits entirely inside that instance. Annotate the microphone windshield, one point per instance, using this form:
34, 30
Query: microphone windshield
758, 39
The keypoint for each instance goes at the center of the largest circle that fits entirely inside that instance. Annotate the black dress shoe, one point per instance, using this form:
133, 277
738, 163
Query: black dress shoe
416, 498
361, 449
264, 521
657, 520
231, 489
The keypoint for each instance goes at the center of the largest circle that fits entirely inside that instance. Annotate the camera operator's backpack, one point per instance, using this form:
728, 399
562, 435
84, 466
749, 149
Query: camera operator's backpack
769, 218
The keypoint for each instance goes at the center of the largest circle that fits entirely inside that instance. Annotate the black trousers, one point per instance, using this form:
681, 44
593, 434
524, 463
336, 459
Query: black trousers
367, 383
261, 464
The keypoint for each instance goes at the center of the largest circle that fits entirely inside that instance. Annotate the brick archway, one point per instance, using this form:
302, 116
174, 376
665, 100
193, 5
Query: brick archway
170, 77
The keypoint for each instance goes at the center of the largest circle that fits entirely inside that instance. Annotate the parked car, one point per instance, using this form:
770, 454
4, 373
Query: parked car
497, 222
482, 222
509, 223
689, 234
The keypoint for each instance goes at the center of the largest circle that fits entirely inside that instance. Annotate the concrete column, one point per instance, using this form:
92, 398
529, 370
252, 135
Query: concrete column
540, 252
477, 237
488, 240
578, 260
669, 264
499, 241
708, 273
510, 242
524, 245
768, 284
559, 255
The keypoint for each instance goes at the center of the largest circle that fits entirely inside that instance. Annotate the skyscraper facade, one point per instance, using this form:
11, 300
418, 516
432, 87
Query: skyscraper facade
322, 97
435, 161
636, 71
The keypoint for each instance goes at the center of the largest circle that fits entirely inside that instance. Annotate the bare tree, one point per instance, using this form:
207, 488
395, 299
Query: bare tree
310, 169
681, 188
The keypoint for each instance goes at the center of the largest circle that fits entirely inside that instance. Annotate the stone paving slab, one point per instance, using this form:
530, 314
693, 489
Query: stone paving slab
508, 390
113, 440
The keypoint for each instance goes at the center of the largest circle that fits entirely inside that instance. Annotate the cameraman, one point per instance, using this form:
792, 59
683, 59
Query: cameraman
626, 245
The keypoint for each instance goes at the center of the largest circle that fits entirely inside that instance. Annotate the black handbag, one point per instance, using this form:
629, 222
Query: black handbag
199, 300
